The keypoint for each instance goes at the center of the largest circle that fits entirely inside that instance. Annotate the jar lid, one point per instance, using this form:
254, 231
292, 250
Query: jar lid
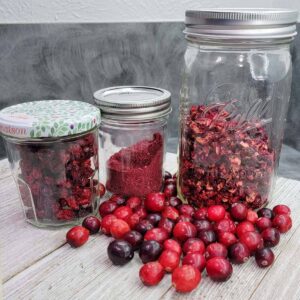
48, 118
133, 102
241, 23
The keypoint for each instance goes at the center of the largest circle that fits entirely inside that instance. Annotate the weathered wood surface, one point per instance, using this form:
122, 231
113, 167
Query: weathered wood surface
38, 264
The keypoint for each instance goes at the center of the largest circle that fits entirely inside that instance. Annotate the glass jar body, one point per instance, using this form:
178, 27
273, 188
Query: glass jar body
57, 179
234, 99
133, 155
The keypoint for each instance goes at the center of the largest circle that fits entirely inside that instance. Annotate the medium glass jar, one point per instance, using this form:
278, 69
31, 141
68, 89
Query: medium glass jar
52, 147
234, 99
133, 136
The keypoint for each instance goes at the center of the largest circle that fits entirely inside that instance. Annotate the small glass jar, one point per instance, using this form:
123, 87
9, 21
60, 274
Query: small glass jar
234, 98
52, 147
133, 136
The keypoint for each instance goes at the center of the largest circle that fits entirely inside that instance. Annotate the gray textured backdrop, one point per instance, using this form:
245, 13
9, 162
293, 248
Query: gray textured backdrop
67, 61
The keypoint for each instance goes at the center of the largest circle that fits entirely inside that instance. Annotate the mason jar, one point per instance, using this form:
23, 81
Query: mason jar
52, 147
234, 99
133, 135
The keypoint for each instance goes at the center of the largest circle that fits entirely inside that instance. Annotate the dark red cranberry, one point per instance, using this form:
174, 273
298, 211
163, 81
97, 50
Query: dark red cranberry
173, 246
101, 190
175, 176
119, 228
263, 223
156, 234
133, 220
150, 251
192, 245
134, 238
264, 257
271, 237
225, 225
170, 190
281, 209
215, 250
175, 201
218, 269
106, 223
167, 175
252, 216
184, 230
207, 236
167, 225
169, 260
170, 181
186, 209
123, 213
238, 211
134, 202
118, 199
203, 225
216, 213
154, 218
282, 222
77, 236
252, 240
184, 218
186, 278
141, 212
200, 214
243, 227
91, 223
265, 212
143, 226
120, 252
107, 208
170, 213
239, 253
227, 238
151, 273
196, 260
155, 202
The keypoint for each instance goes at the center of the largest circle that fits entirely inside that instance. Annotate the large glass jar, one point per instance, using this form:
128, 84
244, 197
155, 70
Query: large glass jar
133, 136
234, 99
52, 148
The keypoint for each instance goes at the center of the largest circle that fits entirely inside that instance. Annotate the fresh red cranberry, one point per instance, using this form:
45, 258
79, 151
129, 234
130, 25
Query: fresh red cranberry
252, 216
170, 190
264, 257
238, 211
167, 175
155, 202
107, 207
243, 227
169, 260
123, 213
184, 230
271, 237
265, 212
134, 202
101, 190
252, 240
227, 238
120, 252
281, 209
173, 246
92, 224
239, 253
184, 218
282, 222
119, 228
207, 236
150, 251
186, 209
175, 201
143, 226
133, 220
170, 213
225, 225
151, 273
167, 225
77, 236
134, 238
154, 218
192, 245
218, 269
118, 199
215, 250
186, 278
203, 225
156, 234
263, 223
196, 260
216, 213
141, 212
200, 214
106, 223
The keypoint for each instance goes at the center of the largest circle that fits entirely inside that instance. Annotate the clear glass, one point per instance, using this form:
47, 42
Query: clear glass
234, 100
57, 178
133, 155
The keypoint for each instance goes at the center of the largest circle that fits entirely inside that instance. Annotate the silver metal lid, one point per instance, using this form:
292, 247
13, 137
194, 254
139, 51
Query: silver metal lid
241, 23
133, 102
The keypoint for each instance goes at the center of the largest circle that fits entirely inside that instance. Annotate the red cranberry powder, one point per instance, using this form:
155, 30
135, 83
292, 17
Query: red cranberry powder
137, 170
222, 160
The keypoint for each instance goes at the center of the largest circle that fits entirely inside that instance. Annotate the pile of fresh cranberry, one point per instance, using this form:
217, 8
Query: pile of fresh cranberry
163, 230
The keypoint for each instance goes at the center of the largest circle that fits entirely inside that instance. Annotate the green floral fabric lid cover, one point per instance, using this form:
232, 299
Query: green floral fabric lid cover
48, 118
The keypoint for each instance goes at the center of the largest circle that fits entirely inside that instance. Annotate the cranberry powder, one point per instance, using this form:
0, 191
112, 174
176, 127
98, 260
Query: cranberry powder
137, 170
224, 160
